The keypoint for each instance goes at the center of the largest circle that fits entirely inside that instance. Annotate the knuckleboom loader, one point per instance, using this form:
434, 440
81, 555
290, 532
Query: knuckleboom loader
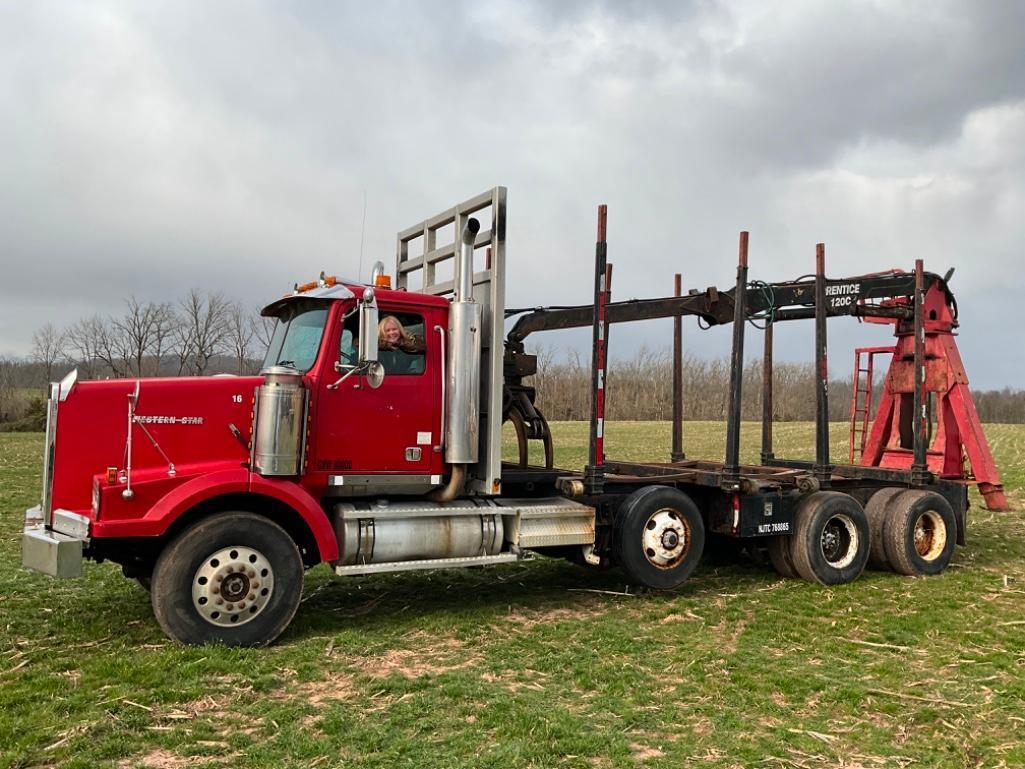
217, 493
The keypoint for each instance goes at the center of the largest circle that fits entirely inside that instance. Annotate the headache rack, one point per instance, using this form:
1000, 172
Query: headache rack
425, 261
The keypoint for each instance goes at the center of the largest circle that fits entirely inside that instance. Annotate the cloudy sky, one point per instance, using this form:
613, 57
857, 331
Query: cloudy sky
147, 148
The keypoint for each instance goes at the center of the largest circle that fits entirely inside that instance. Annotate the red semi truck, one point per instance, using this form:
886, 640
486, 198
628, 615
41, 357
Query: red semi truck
216, 493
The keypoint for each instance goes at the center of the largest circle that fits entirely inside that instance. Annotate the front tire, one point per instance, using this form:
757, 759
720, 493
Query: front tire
659, 537
234, 578
830, 542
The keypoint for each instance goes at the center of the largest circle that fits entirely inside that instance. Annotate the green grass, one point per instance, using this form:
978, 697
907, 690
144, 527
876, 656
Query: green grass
523, 666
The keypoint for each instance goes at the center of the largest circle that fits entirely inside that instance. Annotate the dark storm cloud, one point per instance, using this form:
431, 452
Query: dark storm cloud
150, 148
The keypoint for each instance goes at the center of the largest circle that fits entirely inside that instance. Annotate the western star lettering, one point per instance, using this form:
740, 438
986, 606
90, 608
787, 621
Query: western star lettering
162, 420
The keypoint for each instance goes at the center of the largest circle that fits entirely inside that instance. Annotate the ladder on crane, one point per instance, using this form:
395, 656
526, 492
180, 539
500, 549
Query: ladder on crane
861, 398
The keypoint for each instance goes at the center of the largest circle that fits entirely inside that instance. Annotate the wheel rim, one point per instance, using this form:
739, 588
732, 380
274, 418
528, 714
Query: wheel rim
930, 535
839, 541
666, 538
232, 586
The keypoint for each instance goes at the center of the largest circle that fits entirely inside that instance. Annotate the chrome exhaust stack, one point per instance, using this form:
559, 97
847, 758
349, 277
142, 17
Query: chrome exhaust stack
462, 437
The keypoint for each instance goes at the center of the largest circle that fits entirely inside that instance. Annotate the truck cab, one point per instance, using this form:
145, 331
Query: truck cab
371, 441
361, 435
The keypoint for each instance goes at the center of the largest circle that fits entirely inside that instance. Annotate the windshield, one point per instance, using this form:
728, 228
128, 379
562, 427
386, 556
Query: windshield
297, 336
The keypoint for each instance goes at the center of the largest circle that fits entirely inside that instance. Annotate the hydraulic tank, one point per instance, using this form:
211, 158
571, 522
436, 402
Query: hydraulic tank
279, 436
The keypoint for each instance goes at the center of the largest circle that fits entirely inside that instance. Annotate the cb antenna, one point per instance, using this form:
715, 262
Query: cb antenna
362, 233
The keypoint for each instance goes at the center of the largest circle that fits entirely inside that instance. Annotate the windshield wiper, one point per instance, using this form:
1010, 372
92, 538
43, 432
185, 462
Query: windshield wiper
290, 363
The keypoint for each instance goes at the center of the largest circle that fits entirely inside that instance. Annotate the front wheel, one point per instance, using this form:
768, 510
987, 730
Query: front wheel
659, 537
234, 578
830, 541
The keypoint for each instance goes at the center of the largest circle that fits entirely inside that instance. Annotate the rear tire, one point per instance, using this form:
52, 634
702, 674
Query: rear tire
780, 558
659, 537
830, 541
920, 533
234, 578
876, 511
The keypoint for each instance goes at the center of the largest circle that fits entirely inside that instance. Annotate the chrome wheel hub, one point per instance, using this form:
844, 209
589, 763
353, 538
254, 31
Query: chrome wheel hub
665, 539
930, 535
232, 586
839, 541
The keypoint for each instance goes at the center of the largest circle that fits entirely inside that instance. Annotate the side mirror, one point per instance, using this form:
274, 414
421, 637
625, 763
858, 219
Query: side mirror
367, 365
375, 374
368, 328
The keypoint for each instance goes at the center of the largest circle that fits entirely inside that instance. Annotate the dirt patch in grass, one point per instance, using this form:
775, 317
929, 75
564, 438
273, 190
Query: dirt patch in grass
730, 632
163, 759
337, 686
512, 680
687, 616
430, 657
528, 620
644, 752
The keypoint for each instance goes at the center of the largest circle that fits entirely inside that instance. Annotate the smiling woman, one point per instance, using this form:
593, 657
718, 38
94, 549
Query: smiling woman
401, 344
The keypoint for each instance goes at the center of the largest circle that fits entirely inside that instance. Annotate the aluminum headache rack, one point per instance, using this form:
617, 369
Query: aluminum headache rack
427, 265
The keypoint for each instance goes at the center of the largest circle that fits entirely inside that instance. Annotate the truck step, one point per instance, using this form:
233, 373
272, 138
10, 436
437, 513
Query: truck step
430, 564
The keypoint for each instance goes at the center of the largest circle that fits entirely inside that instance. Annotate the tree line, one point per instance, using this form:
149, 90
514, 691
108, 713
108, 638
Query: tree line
202, 333
157, 339
642, 389
206, 333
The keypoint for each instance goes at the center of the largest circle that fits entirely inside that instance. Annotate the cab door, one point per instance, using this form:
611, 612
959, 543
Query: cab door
396, 428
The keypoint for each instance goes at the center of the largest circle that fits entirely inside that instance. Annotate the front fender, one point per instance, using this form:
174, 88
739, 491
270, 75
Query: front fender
181, 499
300, 500
176, 502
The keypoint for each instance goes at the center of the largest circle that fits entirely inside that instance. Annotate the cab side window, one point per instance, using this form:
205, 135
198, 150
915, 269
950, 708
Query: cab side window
400, 343
349, 346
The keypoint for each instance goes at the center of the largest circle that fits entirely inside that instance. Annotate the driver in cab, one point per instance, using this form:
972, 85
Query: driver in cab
399, 351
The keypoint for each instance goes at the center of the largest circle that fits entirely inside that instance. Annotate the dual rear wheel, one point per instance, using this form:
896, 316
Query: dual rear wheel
829, 542
909, 531
914, 532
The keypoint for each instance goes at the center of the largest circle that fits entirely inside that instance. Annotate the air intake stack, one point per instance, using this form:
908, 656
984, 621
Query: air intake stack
464, 358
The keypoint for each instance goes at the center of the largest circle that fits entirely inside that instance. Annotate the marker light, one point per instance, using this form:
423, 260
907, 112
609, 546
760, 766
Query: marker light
382, 281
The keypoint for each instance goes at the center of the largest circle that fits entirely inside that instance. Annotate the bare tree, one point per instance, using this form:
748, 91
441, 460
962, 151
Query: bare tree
112, 347
48, 345
7, 390
263, 331
140, 333
84, 341
240, 333
166, 322
203, 330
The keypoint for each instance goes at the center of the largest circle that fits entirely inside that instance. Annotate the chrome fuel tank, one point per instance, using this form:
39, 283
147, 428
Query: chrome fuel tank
411, 531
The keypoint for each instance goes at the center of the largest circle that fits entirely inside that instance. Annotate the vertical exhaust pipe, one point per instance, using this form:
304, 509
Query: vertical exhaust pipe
462, 413
464, 262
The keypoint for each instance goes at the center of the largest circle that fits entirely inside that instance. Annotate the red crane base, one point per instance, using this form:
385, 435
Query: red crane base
958, 449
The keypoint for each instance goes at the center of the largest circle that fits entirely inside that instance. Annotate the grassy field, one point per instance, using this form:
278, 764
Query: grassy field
533, 665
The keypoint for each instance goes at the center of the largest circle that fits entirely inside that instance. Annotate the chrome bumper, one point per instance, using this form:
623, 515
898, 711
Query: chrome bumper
55, 551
